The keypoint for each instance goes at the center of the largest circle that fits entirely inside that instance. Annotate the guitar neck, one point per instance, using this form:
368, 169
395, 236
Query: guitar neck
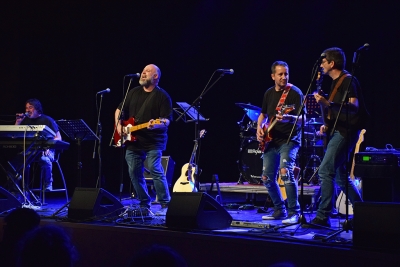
138, 127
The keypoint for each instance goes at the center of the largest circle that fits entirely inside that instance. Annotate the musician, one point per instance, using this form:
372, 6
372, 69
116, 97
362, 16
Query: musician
145, 103
345, 135
279, 155
34, 116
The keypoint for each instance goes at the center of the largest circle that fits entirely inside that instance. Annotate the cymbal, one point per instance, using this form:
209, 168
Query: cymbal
248, 106
313, 123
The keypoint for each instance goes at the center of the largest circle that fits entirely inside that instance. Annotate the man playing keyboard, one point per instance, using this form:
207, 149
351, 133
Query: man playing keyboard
34, 116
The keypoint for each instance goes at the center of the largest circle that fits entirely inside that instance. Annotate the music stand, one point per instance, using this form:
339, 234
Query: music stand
190, 111
79, 131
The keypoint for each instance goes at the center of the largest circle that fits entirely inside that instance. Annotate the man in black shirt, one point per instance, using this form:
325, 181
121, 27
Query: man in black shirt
345, 134
34, 116
279, 155
151, 106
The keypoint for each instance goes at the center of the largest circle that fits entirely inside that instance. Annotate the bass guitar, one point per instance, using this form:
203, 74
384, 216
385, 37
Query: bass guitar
341, 200
269, 126
186, 182
128, 127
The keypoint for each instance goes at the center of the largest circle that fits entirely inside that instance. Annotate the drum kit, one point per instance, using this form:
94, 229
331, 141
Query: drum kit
250, 156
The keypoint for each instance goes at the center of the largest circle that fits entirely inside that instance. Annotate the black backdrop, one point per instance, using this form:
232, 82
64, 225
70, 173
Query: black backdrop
63, 52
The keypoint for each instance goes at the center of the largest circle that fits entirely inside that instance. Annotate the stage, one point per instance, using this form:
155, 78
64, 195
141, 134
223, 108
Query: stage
248, 241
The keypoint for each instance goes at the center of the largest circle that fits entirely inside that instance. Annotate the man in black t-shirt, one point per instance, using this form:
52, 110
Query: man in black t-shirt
345, 134
150, 106
34, 116
279, 155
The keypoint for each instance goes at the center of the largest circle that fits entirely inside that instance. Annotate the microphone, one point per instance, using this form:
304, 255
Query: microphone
133, 75
26, 114
364, 47
226, 71
322, 56
103, 91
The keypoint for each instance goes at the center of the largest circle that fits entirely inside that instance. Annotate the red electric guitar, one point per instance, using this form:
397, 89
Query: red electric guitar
268, 127
128, 127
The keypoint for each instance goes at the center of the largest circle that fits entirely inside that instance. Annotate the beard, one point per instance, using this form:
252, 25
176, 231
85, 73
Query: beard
147, 82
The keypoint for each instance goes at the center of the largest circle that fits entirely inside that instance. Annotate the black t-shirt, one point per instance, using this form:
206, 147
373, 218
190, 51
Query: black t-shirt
158, 106
41, 120
281, 131
355, 119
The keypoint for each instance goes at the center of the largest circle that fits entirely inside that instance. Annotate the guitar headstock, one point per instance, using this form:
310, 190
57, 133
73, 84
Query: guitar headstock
202, 133
361, 136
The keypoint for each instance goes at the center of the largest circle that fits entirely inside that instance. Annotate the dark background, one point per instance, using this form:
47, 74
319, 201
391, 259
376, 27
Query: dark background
63, 52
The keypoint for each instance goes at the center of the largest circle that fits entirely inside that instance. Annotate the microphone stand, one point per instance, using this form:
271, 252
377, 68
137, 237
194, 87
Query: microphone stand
196, 103
121, 180
98, 134
302, 220
346, 225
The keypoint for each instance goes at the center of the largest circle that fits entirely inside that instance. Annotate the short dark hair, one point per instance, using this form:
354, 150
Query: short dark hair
36, 103
278, 63
336, 55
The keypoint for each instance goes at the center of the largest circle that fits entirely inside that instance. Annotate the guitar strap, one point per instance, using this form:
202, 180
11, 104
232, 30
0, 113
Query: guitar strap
334, 93
283, 97
141, 110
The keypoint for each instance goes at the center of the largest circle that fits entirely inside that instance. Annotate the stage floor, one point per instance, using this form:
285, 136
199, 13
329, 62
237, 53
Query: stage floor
247, 225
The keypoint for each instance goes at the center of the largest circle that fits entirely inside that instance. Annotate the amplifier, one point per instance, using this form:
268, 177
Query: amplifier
380, 175
378, 158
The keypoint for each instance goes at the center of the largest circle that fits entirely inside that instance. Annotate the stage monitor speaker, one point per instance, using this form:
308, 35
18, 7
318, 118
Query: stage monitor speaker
196, 211
376, 225
89, 203
8, 201
168, 164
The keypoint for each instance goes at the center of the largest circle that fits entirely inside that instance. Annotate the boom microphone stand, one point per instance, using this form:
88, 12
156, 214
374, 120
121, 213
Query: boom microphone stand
302, 220
346, 225
120, 117
196, 103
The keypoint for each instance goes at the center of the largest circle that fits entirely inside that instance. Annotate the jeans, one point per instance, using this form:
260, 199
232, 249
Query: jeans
46, 165
333, 168
283, 156
135, 161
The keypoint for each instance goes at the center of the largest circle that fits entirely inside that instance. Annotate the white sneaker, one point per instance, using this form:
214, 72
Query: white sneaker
292, 219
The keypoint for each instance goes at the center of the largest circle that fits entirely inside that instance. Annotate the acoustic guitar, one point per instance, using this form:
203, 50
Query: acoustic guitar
186, 182
341, 199
281, 184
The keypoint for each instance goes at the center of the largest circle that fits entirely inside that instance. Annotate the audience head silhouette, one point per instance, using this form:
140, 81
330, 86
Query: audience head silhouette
47, 246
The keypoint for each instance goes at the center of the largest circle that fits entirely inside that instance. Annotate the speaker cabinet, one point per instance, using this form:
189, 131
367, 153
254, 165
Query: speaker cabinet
196, 211
88, 203
168, 165
380, 183
7, 200
376, 225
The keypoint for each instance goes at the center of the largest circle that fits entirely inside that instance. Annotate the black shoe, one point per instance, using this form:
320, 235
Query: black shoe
317, 221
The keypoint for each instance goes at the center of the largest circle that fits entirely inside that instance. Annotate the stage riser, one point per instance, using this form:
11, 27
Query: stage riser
107, 246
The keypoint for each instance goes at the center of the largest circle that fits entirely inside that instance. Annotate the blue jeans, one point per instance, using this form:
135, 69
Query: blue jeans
283, 156
46, 166
135, 161
333, 168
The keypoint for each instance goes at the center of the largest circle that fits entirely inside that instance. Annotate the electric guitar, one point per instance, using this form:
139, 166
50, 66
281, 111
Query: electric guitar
128, 127
341, 200
324, 116
268, 127
186, 182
